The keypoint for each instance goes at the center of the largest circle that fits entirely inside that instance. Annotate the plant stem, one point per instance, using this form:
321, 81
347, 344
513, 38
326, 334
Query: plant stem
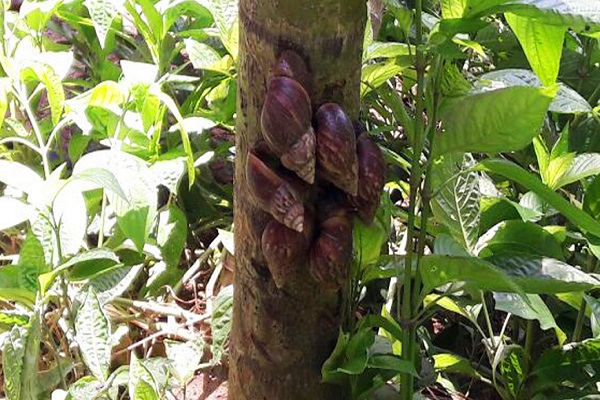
408, 332
36, 129
592, 264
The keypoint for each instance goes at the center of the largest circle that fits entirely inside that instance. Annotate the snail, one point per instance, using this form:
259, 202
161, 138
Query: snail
274, 194
336, 148
371, 178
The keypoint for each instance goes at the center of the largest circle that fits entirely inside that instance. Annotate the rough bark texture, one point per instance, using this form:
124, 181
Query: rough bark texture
281, 337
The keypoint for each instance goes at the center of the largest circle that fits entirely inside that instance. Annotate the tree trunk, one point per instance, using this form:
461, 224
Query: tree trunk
281, 337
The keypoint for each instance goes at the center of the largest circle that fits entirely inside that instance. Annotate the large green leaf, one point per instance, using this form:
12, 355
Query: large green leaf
14, 212
201, 55
102, 12
138, 372
575, 363
114, 282
520, 237
93, 336
583, 166
172, 234
456, 204
49, 78
591, 200
225, 13
480, 274
137, 213
19, 282
185, 358
20, 353
543, 275
567, 100
542, 44
221, 322
512, 171
534, 309
85, 388
19, 176
70, 215
13, 351
145, 391
576, 13
496, 121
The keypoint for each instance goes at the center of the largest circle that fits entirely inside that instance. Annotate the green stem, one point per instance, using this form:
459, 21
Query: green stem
408, 332
592, 265
529, 337
22, 96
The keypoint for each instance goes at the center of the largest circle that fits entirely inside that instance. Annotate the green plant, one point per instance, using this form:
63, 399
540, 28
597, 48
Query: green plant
483, 232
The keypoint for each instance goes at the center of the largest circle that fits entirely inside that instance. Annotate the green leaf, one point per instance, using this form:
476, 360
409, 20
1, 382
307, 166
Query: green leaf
89, 263
19, 283
575, 363
93, 336
18, 212
567, 100
594, 306
557, 169
114, 282
20, 177
20, 353
32, 252
357, 352
225, 13
541, 43
386, 50
591, 200
480, 274
138, 373
70, 215
452, 363
13, 351
583, 166
392, 363
169, 173
185, 139
369, 239
221, 322
47, 76
329, 371
185, 357
201, 55
576, 13
375, 75
102, 12
534, 309
172, 234
137, 213
487, 122
100, 178
144, 391
519, 237
198, 9
453, 8
456, 204
543, 275
106, 94
10, 318
85, 388
512, 171
513, 367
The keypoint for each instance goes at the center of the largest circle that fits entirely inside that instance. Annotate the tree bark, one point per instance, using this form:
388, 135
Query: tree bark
281, 337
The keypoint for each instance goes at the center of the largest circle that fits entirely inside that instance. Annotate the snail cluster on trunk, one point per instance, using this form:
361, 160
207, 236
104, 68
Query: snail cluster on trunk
323, 150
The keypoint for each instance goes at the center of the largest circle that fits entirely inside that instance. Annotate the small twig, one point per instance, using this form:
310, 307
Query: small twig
156, 308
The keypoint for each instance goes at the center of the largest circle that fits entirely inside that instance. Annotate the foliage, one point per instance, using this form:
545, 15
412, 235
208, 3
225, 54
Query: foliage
112, 173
